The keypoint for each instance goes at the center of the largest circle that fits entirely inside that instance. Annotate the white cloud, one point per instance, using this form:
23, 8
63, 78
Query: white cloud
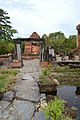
43, 16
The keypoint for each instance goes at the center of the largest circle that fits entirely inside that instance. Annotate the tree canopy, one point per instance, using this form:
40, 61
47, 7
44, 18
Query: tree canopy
58, 39
6, 33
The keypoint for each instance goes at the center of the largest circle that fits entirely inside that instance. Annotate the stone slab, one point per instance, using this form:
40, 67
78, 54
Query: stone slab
3, 105
29, 94
27, 77
25, 84
39, 116
25, 109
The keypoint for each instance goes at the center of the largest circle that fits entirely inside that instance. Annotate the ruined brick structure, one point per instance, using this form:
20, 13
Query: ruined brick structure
76, 51
78, 38
32, 48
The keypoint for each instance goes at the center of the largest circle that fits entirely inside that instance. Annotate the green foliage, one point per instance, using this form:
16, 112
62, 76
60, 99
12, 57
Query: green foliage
6, 30
58, 39
54, 110
14, 72
45, 71
70, 43
7, 77
2, 80
65, 69
6, 33
6, 48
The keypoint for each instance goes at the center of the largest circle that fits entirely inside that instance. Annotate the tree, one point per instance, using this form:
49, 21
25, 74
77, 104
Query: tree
6, 33
70, 43
55, 39
58, 40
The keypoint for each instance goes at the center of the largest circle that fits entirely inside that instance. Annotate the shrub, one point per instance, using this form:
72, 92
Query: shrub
54, 109
45, 71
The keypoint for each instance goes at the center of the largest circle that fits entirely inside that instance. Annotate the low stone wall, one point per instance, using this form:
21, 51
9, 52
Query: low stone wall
16, 64
4, 58
7, 60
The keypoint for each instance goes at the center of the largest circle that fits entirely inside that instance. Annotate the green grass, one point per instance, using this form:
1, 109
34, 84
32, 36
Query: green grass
2, 82
7, 79
64, 75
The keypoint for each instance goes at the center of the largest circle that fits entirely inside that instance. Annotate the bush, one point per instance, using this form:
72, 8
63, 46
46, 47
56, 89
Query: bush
45, 71
54, 109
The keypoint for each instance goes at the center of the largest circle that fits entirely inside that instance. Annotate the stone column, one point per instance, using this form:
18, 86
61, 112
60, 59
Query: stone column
41, 52
18, 47
10, 58
78, 37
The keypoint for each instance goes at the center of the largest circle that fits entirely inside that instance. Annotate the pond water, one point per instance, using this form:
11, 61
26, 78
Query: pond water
72, 95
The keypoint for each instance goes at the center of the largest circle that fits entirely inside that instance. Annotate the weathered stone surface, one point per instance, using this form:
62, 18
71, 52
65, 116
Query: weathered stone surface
3, 105
27, 89
39, 116
8, 96
25, 109
24, 85
27, 77
43, 96
29, 94
10, 114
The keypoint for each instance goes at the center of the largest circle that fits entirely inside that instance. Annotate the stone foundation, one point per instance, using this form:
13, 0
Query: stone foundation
4, 60
30, 57
16, 64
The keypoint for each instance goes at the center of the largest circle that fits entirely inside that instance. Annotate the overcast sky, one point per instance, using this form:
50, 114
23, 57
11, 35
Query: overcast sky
43, 16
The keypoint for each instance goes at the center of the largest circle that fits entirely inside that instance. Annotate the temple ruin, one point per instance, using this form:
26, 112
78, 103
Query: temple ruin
32, 47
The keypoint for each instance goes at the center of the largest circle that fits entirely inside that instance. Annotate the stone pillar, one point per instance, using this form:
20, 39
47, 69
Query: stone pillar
76, 58
18, 47
78, 37
41, 52
10, 57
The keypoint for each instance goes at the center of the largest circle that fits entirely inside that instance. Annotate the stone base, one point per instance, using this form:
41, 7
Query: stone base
16, 64
30, 57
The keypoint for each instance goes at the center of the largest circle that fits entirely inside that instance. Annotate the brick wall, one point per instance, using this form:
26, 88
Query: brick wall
16, 64
32, 50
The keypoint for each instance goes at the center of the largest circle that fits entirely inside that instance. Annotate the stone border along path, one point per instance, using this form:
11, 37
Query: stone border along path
21, 104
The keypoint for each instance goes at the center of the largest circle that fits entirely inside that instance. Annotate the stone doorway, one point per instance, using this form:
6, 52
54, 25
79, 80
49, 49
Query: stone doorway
34, 48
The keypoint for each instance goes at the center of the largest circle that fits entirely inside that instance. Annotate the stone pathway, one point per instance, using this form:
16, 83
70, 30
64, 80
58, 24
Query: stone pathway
21, 105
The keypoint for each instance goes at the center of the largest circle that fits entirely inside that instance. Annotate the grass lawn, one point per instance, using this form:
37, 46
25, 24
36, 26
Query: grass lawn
7, 79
